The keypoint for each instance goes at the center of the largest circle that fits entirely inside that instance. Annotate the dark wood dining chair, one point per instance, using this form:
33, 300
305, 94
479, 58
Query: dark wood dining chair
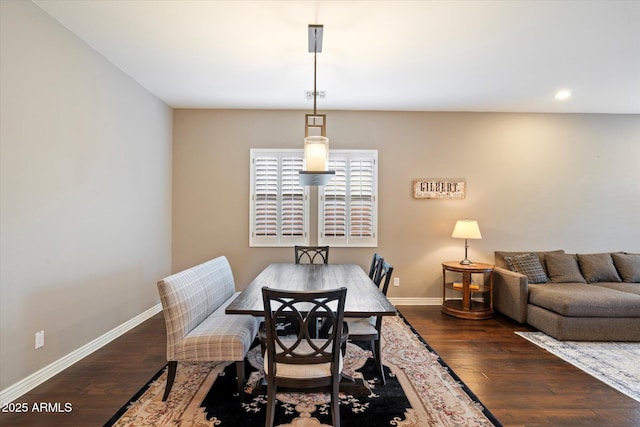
370, 328
301, 360
376, 263
311, 254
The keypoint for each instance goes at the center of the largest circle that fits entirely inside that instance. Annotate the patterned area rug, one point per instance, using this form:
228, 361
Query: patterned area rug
616, 364
421, 391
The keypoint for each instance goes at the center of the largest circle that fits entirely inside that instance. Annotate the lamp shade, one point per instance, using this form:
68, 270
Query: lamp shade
316, 153
466, 229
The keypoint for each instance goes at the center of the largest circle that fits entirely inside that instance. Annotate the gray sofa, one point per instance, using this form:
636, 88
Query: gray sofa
593, 297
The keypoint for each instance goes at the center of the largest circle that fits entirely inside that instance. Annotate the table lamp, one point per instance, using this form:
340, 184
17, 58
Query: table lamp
466, 229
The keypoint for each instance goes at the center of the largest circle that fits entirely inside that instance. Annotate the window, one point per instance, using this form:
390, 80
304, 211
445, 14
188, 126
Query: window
279, 205
348, 207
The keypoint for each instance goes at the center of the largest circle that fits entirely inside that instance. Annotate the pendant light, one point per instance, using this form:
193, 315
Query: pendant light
316, 143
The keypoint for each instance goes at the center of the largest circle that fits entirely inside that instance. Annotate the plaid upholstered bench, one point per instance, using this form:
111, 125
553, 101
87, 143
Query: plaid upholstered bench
198, 330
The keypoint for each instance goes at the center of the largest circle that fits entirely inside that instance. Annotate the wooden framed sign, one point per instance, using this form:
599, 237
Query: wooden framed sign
439, 188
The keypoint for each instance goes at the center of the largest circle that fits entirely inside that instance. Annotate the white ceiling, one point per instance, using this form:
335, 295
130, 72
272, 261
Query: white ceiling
377, 55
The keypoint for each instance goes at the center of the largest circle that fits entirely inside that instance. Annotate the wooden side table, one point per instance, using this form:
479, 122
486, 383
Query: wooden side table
480, 307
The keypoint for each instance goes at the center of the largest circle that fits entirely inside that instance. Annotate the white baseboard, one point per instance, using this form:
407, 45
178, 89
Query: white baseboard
16, 390
415, 301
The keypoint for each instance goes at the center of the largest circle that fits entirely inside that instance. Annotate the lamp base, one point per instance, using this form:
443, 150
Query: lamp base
466, 260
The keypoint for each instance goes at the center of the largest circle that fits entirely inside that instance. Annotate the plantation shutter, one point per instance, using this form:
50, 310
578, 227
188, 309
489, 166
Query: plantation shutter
279, 205
293, 212
266, 196
361, 196
348, 203
334, 201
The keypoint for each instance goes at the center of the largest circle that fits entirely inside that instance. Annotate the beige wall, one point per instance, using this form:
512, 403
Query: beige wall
534, 182
85, 193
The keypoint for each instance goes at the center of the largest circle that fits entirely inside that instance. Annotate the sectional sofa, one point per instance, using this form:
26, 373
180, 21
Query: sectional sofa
581, 297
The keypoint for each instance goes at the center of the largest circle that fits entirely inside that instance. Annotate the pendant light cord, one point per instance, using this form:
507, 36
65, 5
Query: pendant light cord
315, 54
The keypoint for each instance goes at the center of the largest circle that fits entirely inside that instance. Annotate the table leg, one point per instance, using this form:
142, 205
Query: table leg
466, 294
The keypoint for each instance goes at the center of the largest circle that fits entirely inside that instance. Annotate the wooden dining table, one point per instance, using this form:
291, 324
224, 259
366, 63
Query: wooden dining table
364, 298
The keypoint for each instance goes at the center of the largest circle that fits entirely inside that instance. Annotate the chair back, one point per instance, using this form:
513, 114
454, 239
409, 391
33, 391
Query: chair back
303, 309
383, 277
376, 263
311, 254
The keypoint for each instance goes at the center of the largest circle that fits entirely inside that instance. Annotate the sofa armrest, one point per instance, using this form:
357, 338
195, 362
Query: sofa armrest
510, 293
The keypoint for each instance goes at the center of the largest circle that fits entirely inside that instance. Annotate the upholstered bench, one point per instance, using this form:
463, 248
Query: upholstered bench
198, 330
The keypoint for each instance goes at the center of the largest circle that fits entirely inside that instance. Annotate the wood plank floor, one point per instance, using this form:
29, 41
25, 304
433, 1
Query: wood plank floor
521, 384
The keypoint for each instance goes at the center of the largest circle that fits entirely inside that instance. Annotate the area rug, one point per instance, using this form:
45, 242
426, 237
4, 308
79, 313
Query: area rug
421, 390
616, 364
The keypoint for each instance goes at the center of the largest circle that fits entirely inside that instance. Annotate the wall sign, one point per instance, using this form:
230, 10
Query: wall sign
439, 188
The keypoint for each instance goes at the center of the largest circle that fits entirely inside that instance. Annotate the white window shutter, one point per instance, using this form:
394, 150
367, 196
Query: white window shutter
348, 203
334, 217
279, 205
293, 195
266, 196
362, 198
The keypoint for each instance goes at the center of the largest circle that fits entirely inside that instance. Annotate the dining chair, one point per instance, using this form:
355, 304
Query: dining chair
370, 328
301, 360
309, 254
376, 262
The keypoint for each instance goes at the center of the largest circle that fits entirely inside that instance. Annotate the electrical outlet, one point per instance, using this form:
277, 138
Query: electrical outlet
396, 281
39, 339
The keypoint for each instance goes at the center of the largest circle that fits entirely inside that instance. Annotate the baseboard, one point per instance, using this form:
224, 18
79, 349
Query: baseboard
16, 390
415, 301
21, 387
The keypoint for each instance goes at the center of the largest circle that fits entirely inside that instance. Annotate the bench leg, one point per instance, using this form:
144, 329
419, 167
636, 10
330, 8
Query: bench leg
171, 376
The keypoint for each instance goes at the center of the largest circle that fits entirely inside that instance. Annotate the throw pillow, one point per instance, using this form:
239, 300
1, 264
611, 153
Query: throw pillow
529, 265
628, 265
563, 268
500, 256
598, 268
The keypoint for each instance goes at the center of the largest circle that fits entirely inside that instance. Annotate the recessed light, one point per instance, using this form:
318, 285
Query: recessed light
561, 95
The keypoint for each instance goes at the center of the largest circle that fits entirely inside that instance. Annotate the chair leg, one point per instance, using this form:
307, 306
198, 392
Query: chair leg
271, 405
171, 376
377, 354
240, 375
335, 404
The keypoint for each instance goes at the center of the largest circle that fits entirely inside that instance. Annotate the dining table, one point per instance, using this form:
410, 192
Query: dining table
363, 299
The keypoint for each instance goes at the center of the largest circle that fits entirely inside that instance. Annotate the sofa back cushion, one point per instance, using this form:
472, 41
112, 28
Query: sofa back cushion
529, 265
190, 296
563, 268
598, 268
628, 266
500, 255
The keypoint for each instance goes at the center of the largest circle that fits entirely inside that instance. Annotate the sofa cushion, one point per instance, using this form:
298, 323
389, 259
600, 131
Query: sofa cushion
628, 266
563, 268
500, 255
598, 268
529, 265
584, 300
632, 288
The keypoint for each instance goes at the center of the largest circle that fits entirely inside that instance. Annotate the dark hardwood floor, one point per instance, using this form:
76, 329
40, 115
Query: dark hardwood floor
521, 384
